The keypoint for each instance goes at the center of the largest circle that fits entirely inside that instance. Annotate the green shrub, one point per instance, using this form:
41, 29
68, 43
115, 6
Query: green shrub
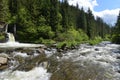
72, 35
96, 40
116, 38
45, 32
107, 37
68, 44
2, 37
82, 36
71, 38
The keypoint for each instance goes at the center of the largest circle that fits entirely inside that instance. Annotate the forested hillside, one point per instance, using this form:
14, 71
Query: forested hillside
42, 21
116, 32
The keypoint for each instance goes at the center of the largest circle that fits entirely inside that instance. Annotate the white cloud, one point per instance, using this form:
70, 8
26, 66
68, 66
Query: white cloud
84, 3
109, 16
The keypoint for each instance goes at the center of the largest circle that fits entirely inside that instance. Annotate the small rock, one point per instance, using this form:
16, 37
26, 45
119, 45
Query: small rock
118, 71
40, 50
118, 57
96, 49
44, 64
54, 45
63, 46
59, 50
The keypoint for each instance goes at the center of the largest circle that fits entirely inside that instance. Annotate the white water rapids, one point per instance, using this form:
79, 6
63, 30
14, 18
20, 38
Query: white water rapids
105, 54
38, 73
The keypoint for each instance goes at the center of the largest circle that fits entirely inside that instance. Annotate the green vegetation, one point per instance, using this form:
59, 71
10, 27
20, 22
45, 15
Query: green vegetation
116, 34
2, 37
116, 38
95, 41
4, 11
52, 21
71, 38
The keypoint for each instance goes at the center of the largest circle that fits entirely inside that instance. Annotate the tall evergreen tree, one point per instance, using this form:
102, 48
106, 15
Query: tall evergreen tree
99, 28
116, 36
4, 11
90, 24
82, 20
13, 7
64, 12
118, 24
54, 11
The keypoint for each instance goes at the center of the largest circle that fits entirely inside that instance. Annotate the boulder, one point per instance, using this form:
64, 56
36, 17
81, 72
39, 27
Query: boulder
3, 60
4, 55
30, 63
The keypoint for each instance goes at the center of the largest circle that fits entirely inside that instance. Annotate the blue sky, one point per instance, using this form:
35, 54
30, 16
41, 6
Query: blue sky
108, 10
107, 4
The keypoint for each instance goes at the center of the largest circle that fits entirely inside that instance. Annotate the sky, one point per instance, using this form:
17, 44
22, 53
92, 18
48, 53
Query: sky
108, 10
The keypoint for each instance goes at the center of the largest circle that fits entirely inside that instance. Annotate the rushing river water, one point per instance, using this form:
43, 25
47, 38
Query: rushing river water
99, 62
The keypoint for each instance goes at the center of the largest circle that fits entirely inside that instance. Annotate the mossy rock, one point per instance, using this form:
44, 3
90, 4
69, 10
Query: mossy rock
53, 64
20, 59
30, 63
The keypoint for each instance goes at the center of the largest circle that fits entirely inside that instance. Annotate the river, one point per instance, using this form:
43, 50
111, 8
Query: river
98, 62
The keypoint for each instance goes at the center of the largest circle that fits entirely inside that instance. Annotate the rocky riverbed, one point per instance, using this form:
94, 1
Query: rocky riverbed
86, 62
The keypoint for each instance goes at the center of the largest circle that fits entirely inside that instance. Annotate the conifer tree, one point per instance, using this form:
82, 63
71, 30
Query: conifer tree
54, 11
13, 7
118, 24
4, 11
64, 12
90, 24
116, 36
83, 20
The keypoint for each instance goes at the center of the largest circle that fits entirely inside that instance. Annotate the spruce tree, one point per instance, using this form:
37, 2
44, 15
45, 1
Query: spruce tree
90, 24
13, 7
83, 20
54, 11
118, 24
64, 12
4, 11
116, 36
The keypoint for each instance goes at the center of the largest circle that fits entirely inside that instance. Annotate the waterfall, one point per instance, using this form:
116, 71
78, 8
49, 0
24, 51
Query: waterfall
11, 37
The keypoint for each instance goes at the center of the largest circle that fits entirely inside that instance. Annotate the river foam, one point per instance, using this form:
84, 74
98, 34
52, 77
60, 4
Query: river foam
37, 73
